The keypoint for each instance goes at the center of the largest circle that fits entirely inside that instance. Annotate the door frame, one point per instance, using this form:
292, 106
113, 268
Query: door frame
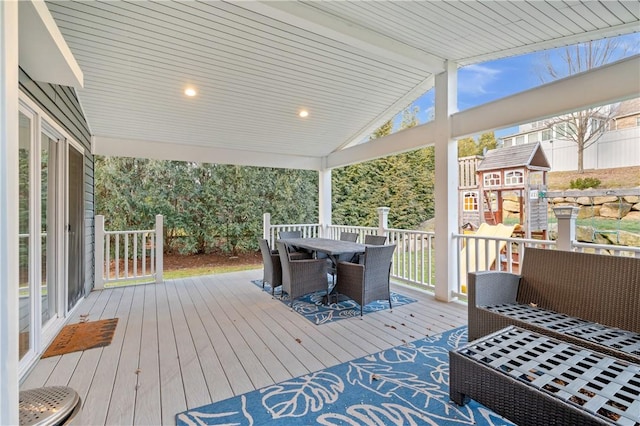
43, 123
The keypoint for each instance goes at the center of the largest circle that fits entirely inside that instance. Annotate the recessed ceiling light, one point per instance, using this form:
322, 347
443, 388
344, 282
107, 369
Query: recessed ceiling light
190, 91
304, 113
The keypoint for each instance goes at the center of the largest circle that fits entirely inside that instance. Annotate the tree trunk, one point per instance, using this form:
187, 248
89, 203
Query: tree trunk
580, 157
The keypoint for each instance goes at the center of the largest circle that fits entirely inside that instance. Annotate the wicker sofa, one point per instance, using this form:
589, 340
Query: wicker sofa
585, 299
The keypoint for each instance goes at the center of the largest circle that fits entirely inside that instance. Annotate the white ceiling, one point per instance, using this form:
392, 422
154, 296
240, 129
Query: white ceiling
352, 65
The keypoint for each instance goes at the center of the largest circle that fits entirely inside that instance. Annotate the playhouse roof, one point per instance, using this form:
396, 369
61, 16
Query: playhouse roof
528, 155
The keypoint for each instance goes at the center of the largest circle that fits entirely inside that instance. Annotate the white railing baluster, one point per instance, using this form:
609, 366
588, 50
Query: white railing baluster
135, 255
144, 253
126, 255
147, 247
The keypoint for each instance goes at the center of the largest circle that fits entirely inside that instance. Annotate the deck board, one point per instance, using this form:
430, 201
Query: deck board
189, 342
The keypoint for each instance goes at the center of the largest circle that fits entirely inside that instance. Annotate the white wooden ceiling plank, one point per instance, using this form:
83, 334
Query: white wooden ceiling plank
282, 28
625, 11
488, 21
217, 84
604, 13
276, 59
592, 15
559, 13
268, 35
414, 31
315, 20
278, 115
485, 38
288, 77
515, 28
279, 112
546, 25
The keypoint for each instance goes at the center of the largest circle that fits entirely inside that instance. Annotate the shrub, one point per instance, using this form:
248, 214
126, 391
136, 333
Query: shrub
584, 183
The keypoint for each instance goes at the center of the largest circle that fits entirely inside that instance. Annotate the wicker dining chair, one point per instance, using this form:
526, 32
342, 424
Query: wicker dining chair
367, 282
349, 236
375, 240
271, 264
300, 277
296, 254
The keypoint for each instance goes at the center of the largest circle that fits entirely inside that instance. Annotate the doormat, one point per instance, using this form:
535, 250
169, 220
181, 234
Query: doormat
82, 336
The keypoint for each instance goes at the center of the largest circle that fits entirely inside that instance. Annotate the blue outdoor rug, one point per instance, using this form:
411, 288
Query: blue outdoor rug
312, 308
404, 385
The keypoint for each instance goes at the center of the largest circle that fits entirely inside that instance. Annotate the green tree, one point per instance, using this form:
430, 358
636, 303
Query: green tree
469, 146
403, 182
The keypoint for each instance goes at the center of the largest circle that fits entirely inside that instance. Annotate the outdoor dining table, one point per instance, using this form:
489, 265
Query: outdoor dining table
332, 248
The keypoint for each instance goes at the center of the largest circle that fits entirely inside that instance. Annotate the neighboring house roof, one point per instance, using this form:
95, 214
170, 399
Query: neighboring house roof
526, 155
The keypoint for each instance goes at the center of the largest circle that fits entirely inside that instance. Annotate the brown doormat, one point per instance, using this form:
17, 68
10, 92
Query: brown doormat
82, 336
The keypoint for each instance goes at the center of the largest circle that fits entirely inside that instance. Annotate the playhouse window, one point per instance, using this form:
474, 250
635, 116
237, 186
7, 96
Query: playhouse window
492, 179
513, 178
470, 201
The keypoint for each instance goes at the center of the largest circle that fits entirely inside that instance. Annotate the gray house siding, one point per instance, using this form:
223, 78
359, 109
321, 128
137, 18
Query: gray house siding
62, 105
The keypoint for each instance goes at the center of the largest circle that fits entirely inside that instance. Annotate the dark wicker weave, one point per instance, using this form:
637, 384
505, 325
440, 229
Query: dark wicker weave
375, 240
300, 277
271, 264
295, 253
536, 380
370, 281
596, 289
349, 236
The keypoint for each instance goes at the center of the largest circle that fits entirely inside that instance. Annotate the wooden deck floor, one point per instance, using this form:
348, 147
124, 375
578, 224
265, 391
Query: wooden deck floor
189, 342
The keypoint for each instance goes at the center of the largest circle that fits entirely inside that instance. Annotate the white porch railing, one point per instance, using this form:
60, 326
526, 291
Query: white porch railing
334, 231
606, 249
128, 256
484, 253
414, 258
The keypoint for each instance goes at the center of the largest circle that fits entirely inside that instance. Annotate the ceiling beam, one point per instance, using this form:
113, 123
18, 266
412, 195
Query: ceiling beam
118, 147
43, 52
396, 143
310, 18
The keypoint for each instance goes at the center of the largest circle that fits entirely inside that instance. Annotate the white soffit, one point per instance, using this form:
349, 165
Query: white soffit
43, 52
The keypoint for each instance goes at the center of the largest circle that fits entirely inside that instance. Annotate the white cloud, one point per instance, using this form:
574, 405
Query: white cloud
474, 80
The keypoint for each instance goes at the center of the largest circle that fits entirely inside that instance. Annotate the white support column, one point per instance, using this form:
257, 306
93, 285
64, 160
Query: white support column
567, 216
383, 220
446, 191
266, 227
98, 253
324, 201
9, 212
159, 248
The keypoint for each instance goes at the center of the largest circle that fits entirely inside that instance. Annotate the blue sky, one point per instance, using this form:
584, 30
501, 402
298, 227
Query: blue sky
488, 81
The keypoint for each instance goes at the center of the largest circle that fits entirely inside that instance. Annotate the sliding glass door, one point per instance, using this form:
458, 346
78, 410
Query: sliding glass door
51, 225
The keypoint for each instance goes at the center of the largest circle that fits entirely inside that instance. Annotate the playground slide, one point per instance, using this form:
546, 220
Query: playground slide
482, 252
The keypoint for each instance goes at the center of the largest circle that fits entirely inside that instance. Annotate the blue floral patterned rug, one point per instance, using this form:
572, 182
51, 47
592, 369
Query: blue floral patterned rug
312, 307
404, 385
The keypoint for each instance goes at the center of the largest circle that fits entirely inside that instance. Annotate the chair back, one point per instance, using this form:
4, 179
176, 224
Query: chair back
283, 252
377, 263
289, 234
375, 240
271, 263
349, 236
